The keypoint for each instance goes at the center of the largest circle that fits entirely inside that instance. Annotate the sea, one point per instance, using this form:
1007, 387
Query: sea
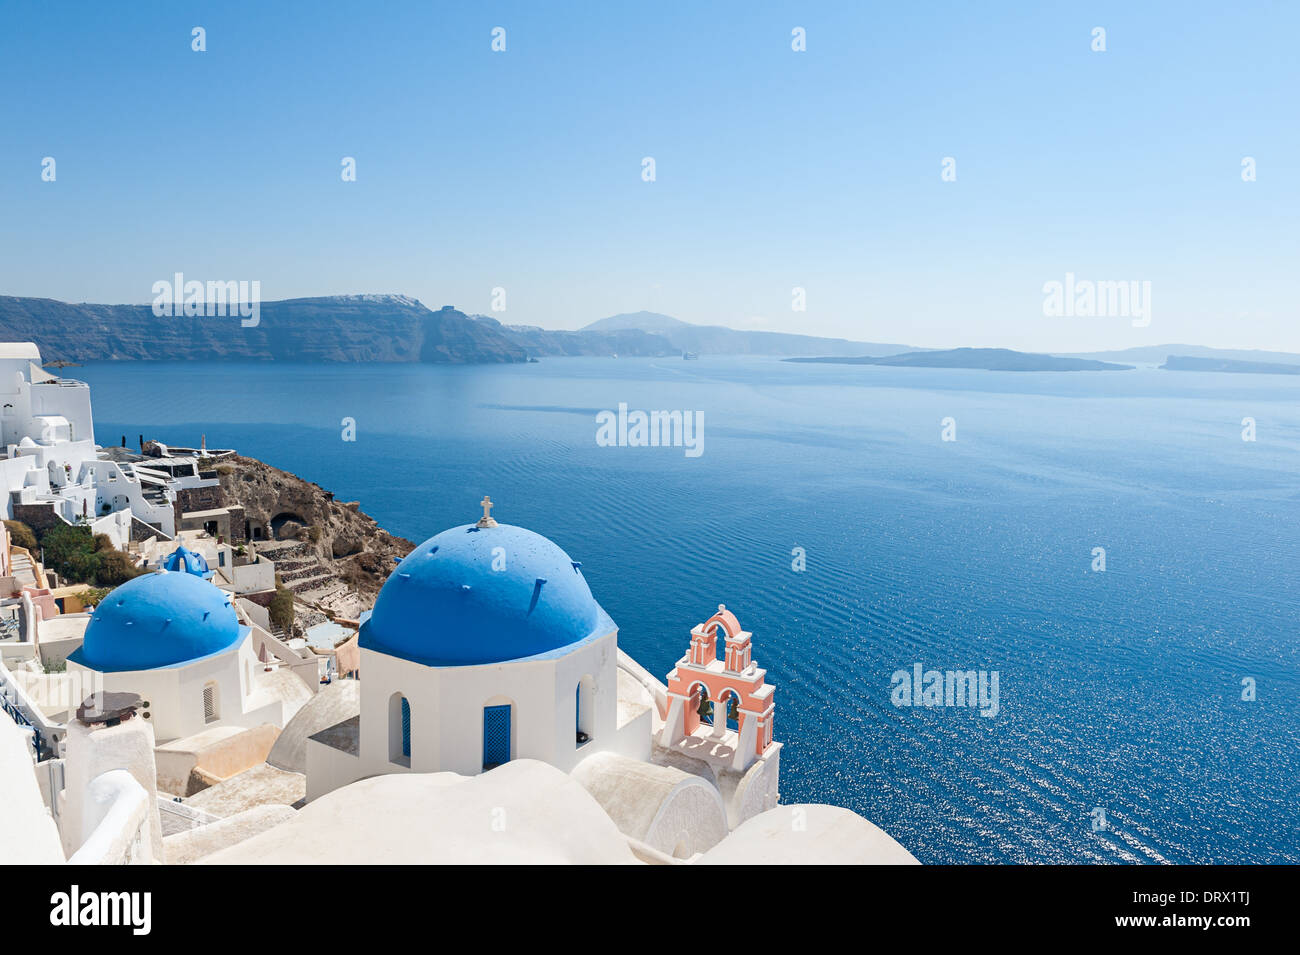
1118, 549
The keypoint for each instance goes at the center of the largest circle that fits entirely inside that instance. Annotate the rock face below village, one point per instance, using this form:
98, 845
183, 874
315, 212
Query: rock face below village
332, 555
343, 328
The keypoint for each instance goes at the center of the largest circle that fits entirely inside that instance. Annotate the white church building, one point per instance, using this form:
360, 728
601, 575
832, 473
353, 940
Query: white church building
484, 646
176, 640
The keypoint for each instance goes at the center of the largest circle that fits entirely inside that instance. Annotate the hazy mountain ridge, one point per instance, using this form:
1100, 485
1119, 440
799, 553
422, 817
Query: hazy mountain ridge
986, 359
545, 342
380, 328
1186, 363
720, 340
346, 328
398, 328
1155, 354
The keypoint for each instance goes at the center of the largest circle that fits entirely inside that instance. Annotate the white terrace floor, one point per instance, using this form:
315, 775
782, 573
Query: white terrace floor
717, 750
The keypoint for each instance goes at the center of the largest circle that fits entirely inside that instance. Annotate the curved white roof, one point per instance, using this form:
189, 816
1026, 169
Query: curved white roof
667, 809
339, 701
24, 350
808, 835
413, 819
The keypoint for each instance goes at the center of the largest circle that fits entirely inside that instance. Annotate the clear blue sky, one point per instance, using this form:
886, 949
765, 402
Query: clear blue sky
775, 169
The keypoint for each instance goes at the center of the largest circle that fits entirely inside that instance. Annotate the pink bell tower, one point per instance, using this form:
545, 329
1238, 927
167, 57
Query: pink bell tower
733, 687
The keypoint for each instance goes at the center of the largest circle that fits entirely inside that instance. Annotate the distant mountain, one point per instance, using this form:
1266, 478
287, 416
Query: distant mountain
644, 321
397, 328
988, 359
719, 340
335, 328
1185, 363
630, 343
1154, 354
373, 328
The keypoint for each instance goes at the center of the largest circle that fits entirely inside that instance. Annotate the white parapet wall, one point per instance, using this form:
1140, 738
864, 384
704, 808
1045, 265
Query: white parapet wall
115, 823
93, 752
30, 837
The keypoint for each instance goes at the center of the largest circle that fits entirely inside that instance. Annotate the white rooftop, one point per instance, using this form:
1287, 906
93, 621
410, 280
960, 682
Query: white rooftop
523, 811
24, 350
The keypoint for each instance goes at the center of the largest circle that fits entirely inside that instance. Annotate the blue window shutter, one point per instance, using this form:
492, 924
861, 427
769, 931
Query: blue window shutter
496, 735
406, 728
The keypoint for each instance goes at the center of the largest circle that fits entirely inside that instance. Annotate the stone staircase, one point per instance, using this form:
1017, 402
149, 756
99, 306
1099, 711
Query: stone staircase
309, 577
23, 571
299, 569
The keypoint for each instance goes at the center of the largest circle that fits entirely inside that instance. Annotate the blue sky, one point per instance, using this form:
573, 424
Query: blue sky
775, 169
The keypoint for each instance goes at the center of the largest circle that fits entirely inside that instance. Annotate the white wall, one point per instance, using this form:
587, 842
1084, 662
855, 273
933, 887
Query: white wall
329, 769
175, 694
30, 836
251, 578
69, 399
116, 525
93, 751
447, 714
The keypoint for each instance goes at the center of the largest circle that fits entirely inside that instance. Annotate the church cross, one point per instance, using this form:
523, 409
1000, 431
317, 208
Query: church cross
486, 520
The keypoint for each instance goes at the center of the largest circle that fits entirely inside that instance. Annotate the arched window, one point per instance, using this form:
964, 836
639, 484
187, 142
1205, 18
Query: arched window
399, 730
700, 704
211, 703
727, 709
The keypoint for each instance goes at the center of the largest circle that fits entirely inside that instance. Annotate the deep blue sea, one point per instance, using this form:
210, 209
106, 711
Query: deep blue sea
1119, 690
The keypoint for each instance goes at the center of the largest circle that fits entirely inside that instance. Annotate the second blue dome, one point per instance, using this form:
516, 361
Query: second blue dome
156, 620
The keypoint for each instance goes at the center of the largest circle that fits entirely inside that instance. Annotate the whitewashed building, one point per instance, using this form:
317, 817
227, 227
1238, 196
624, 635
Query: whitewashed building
176, 640
485, 645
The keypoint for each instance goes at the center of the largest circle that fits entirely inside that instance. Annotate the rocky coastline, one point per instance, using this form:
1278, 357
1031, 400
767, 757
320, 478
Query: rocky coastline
332, 555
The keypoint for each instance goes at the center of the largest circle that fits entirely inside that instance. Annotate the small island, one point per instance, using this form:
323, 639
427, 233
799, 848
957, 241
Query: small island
986, 359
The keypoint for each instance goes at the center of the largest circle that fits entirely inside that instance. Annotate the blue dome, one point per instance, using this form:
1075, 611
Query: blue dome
184, 560
158, 620
445, 605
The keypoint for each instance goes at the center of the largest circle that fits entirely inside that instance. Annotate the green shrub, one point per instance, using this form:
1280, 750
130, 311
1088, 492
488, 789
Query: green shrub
78, 556
281, 609
93, 596
115, 568
70, 552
